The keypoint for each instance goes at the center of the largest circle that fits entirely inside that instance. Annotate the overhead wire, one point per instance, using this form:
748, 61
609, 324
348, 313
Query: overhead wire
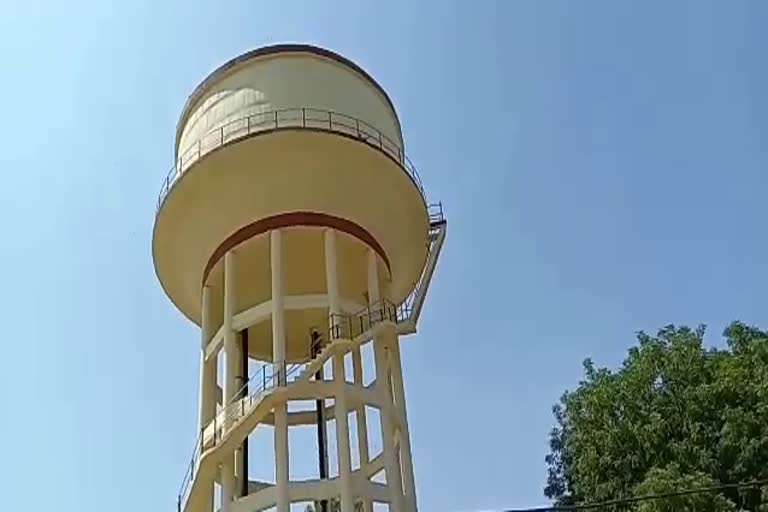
647, 497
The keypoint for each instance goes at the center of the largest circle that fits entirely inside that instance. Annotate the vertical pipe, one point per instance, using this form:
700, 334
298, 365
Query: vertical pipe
322, 444
231, 369
278, 359
243, 463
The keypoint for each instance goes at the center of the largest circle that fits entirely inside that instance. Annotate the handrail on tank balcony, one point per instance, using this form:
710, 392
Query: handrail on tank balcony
288, 118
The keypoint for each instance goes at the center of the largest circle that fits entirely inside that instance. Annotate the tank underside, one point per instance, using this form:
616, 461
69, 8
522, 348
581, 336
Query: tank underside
306, 305
302, 181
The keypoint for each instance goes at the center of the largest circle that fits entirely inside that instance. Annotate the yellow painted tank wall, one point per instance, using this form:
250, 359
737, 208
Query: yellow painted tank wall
288, 81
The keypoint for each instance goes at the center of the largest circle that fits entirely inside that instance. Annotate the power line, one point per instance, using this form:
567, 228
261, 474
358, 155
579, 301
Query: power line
647, 497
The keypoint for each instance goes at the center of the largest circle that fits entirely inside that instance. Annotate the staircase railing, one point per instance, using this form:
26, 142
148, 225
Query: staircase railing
351, 327
227, 416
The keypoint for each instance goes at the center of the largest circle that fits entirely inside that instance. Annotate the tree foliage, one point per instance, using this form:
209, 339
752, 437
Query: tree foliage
674, 415
668, 481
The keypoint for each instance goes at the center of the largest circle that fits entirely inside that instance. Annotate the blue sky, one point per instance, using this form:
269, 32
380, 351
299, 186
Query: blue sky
602, 165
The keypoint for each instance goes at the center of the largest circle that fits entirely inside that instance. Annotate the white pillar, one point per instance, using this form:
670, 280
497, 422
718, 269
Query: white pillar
405, 437
278, 360
362, 422
230, 374
331, 279
342, 436
340, 402
207, 368
374, 294
207, 407
391, 464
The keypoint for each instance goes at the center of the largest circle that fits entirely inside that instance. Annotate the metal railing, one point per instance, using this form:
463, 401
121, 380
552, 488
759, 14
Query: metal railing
435, 212
271, 376
350, 327
288, 118
334, 505
212, 434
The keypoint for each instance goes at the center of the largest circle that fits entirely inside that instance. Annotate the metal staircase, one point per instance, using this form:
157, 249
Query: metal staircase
408, 312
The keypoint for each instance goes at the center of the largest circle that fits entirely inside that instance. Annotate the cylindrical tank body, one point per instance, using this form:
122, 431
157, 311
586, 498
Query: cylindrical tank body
298, 138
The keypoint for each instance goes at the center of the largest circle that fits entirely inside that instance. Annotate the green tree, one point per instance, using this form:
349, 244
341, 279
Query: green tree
674, 414
667, 481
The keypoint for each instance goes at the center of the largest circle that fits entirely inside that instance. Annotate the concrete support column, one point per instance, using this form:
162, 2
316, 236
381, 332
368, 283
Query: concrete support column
278, 360
374, 294
391, 464
406, 459
362, 421
331, 280
207, 407
342, 436
383, 390
231, 370
207, 368
340, 402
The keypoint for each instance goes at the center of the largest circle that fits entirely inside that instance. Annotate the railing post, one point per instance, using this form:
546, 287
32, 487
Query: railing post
263, 377
381, 145
330, 122
303, 117
248, 125
275, 119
